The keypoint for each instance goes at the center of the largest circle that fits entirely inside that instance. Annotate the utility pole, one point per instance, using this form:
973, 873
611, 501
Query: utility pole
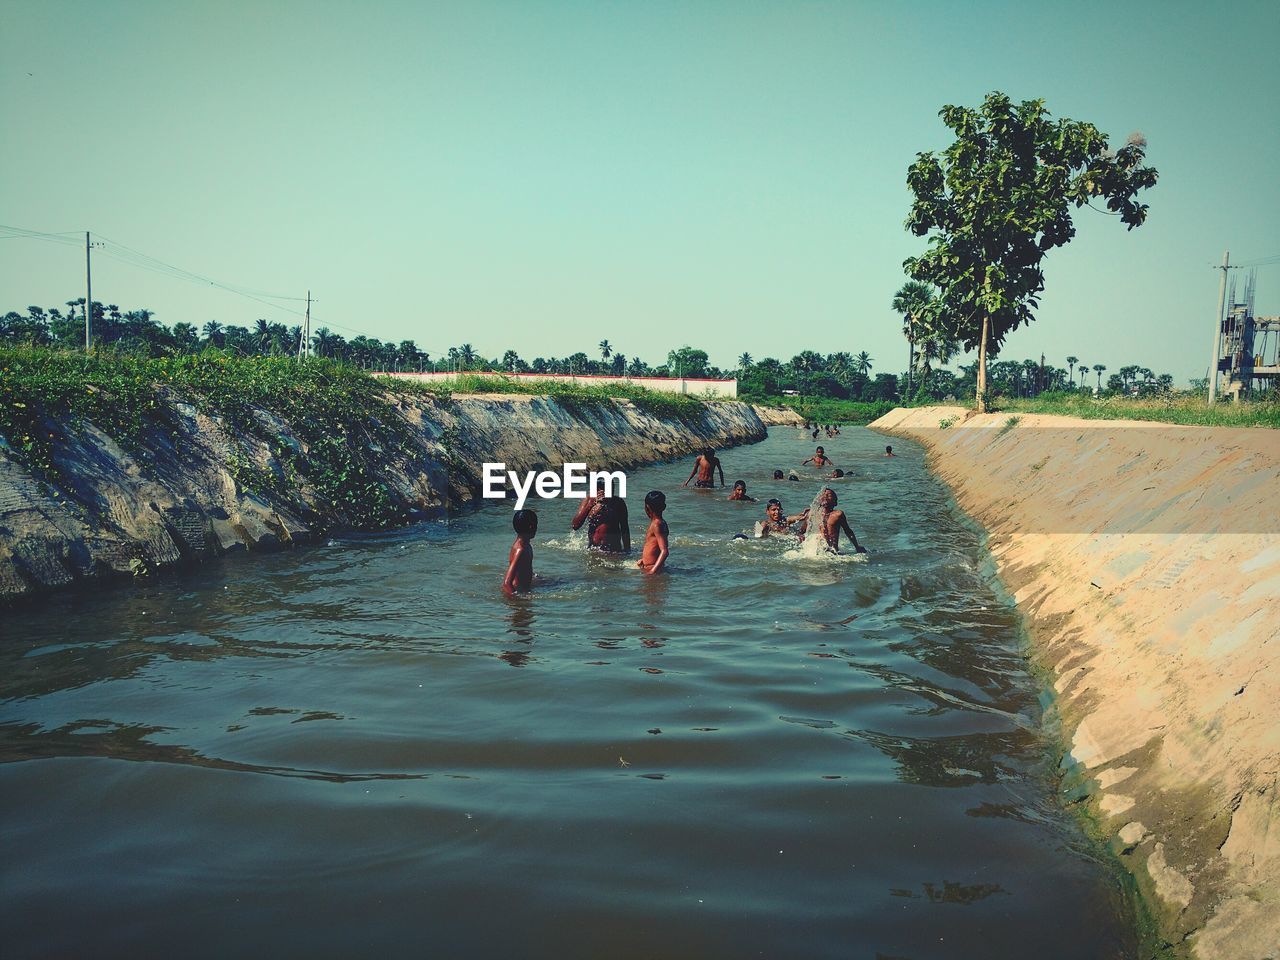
88, 297
304, 342
1217, 328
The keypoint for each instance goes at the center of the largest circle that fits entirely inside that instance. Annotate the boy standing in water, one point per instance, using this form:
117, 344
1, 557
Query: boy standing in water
656, 548
833, 521
820, 459
587, 505
519, 576
608, 527
740, 492
704, 467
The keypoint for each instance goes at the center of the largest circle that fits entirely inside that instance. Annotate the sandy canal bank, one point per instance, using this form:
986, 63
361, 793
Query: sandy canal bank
199, 487
1146, 560
778, 416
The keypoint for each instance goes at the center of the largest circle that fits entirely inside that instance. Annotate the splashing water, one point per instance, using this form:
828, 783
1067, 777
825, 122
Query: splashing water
815, 542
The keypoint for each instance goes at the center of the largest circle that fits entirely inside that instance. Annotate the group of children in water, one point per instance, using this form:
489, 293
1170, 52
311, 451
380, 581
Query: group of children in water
608, 529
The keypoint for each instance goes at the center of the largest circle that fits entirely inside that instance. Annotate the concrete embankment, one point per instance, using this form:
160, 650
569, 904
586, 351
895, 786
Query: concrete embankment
200, 487
1146, 560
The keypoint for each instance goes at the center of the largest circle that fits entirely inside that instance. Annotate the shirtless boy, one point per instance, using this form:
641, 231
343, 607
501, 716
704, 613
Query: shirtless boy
656, 548
740, 492
833, 521
820, 459
519, 576
776, 521
588, 503
705, 466
608, 527
888, 452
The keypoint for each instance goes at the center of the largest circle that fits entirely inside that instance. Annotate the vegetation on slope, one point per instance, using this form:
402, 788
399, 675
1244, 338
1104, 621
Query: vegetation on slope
1181, 408
329, 424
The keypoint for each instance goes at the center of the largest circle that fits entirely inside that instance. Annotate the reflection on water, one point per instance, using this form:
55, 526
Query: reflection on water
328, 753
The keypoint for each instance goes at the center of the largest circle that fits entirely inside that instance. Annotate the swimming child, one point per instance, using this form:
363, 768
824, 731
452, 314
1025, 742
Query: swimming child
519, 576
838, 474
656, 547
704, 467
833, 521
819, 459
608, 527
588, 502
888, 452
777, 475
740, 492
776, 521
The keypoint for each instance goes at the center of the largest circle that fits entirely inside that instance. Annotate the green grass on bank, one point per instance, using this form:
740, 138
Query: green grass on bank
830, 410
342, 417
667, 406
1181, 408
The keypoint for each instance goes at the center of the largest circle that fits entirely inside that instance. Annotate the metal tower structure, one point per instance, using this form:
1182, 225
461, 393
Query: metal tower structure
1249, 357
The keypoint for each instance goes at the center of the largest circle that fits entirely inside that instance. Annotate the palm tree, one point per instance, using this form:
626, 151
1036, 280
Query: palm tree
1071, 364
862, 363
1098, 368
606, 350
213, 333
321, 341
467, 354
932, 346
744, 361
911, 302
262, 335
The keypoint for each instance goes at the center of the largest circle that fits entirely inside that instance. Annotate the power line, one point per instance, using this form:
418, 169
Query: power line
143, 261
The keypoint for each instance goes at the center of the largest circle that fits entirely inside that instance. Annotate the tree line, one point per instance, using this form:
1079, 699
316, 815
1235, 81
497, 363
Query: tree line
841, 375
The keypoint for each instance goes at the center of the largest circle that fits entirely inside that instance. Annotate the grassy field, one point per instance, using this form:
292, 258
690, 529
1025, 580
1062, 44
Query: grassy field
1176, 408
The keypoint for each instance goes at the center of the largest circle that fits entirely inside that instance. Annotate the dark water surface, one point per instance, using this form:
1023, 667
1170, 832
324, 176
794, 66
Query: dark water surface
363, 749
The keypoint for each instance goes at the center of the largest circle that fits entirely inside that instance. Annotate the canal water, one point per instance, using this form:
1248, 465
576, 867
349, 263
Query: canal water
364, 748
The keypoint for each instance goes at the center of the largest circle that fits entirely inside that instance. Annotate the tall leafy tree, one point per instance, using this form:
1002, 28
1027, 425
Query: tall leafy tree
1071, 366
998, 199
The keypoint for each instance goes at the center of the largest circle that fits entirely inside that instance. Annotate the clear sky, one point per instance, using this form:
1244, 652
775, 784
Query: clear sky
540, 175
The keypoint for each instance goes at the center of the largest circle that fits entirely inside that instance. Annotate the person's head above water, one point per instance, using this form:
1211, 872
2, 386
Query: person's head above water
708, 452
827, 498
773, 509
794, 477
838, 473
777, 475
821, 452
739, 484
655, 501
525, 522
888, 451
